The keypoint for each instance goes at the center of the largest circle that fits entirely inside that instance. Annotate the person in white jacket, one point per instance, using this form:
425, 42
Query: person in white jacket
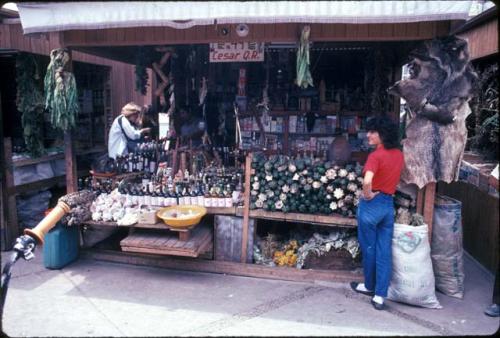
122, 130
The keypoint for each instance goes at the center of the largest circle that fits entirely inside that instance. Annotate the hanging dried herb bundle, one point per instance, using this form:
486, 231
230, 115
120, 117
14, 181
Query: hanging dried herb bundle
141, 74
486, 113
29, 102
304, 78
61, 97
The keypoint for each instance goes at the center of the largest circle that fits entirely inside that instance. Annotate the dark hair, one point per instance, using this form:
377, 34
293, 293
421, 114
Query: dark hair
387, 130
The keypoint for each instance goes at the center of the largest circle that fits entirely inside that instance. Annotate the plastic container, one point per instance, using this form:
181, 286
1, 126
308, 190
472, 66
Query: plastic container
61, 246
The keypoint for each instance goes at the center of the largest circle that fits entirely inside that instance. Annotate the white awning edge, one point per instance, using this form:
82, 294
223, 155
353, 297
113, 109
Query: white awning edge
47, 17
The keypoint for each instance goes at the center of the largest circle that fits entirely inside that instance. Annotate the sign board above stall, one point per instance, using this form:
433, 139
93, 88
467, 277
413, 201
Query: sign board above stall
237, 52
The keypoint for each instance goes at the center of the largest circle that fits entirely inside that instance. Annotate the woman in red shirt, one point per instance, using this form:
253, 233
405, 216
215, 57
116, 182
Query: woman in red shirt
375, 213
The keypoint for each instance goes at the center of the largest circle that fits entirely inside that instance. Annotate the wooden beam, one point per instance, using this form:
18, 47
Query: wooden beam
231, 268
283, 32
30, 161
246, 208
11, 229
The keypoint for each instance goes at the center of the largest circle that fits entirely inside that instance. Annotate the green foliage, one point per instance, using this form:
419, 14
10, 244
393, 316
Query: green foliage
141, 74
29, 102
486, 112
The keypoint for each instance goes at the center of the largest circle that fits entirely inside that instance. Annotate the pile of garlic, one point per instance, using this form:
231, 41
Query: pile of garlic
114, 207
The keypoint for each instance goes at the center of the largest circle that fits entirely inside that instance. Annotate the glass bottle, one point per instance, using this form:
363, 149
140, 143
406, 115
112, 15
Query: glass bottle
207, 200
228, 197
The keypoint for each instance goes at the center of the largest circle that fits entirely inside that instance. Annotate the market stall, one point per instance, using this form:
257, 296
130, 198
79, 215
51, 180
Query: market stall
271, 94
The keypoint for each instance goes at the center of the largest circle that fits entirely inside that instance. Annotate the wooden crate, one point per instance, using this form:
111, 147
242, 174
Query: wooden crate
228, 238
168, 243
332, 260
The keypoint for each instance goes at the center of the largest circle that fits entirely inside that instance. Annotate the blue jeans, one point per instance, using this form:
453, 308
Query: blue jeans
375, 228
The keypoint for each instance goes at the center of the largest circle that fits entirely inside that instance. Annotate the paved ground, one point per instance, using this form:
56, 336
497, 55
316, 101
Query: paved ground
91, 298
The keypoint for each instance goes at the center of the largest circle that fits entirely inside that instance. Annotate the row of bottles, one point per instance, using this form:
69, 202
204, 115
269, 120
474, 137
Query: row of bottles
145, 157
182, 193
214, 188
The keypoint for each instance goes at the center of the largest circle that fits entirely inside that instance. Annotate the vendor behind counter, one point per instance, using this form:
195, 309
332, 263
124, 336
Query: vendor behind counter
191, 128
123, 134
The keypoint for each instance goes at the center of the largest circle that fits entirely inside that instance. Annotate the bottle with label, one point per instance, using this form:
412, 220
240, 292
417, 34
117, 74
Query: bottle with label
178, 194
147, 196
207, 198
228, 197
140, 163
172, 196
193, 195
221, 199
200, 197
152, 162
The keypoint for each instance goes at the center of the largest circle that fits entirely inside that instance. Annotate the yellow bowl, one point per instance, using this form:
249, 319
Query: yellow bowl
188, 215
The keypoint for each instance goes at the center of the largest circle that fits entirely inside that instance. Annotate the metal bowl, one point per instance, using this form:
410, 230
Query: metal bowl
181, 216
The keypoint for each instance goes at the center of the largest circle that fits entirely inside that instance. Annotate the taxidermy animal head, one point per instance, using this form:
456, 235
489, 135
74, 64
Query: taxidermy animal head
441, 79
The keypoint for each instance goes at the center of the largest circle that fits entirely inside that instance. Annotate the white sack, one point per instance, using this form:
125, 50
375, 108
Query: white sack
412, 275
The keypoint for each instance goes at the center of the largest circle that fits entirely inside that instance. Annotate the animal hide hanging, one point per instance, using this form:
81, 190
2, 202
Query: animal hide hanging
437, 93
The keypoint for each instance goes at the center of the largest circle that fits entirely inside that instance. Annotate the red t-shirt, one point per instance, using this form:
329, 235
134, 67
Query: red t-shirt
386, 165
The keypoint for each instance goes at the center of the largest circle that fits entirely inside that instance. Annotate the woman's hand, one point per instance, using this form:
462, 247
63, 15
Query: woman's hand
145, 130
370, 195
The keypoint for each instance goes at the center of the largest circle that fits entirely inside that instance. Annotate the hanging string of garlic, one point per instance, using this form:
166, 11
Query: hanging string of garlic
61, 97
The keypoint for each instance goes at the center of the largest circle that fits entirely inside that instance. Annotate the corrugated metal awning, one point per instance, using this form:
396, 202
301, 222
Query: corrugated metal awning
46, 17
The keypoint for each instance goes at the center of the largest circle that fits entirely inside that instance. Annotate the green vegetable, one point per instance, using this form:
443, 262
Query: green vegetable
29, 102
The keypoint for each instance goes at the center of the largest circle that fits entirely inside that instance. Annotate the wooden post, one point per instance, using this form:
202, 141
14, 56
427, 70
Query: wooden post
246, 208
430, 193
69, 151
425, 204
420, 201
285, 146
10, 230
70, 161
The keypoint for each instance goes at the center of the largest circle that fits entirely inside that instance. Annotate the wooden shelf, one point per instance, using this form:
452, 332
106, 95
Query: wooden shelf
230, 268
331, 220
312, 134
30, 161
168, 243
58, 156
161, 225
319, 112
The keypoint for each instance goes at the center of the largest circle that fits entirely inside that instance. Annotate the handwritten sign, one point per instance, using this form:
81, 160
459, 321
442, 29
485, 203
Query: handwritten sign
237, 52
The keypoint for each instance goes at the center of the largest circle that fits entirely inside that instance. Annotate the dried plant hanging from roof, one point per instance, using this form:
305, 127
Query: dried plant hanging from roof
304, 78
29, 102
142, 61
61, 97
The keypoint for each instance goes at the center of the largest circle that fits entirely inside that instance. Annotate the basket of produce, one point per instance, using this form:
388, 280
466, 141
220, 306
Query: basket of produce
182, 216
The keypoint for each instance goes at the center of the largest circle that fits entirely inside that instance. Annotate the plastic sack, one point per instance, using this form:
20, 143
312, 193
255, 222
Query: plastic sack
31, 208
447, 246
412, 276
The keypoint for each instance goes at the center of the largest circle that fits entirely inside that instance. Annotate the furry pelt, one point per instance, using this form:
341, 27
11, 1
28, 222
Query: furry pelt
437, 93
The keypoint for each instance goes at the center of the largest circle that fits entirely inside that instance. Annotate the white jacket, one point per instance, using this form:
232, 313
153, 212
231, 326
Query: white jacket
117, 143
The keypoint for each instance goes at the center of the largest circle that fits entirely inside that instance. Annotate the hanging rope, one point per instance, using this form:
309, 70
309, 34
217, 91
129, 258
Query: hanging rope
304, 78
61, 97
